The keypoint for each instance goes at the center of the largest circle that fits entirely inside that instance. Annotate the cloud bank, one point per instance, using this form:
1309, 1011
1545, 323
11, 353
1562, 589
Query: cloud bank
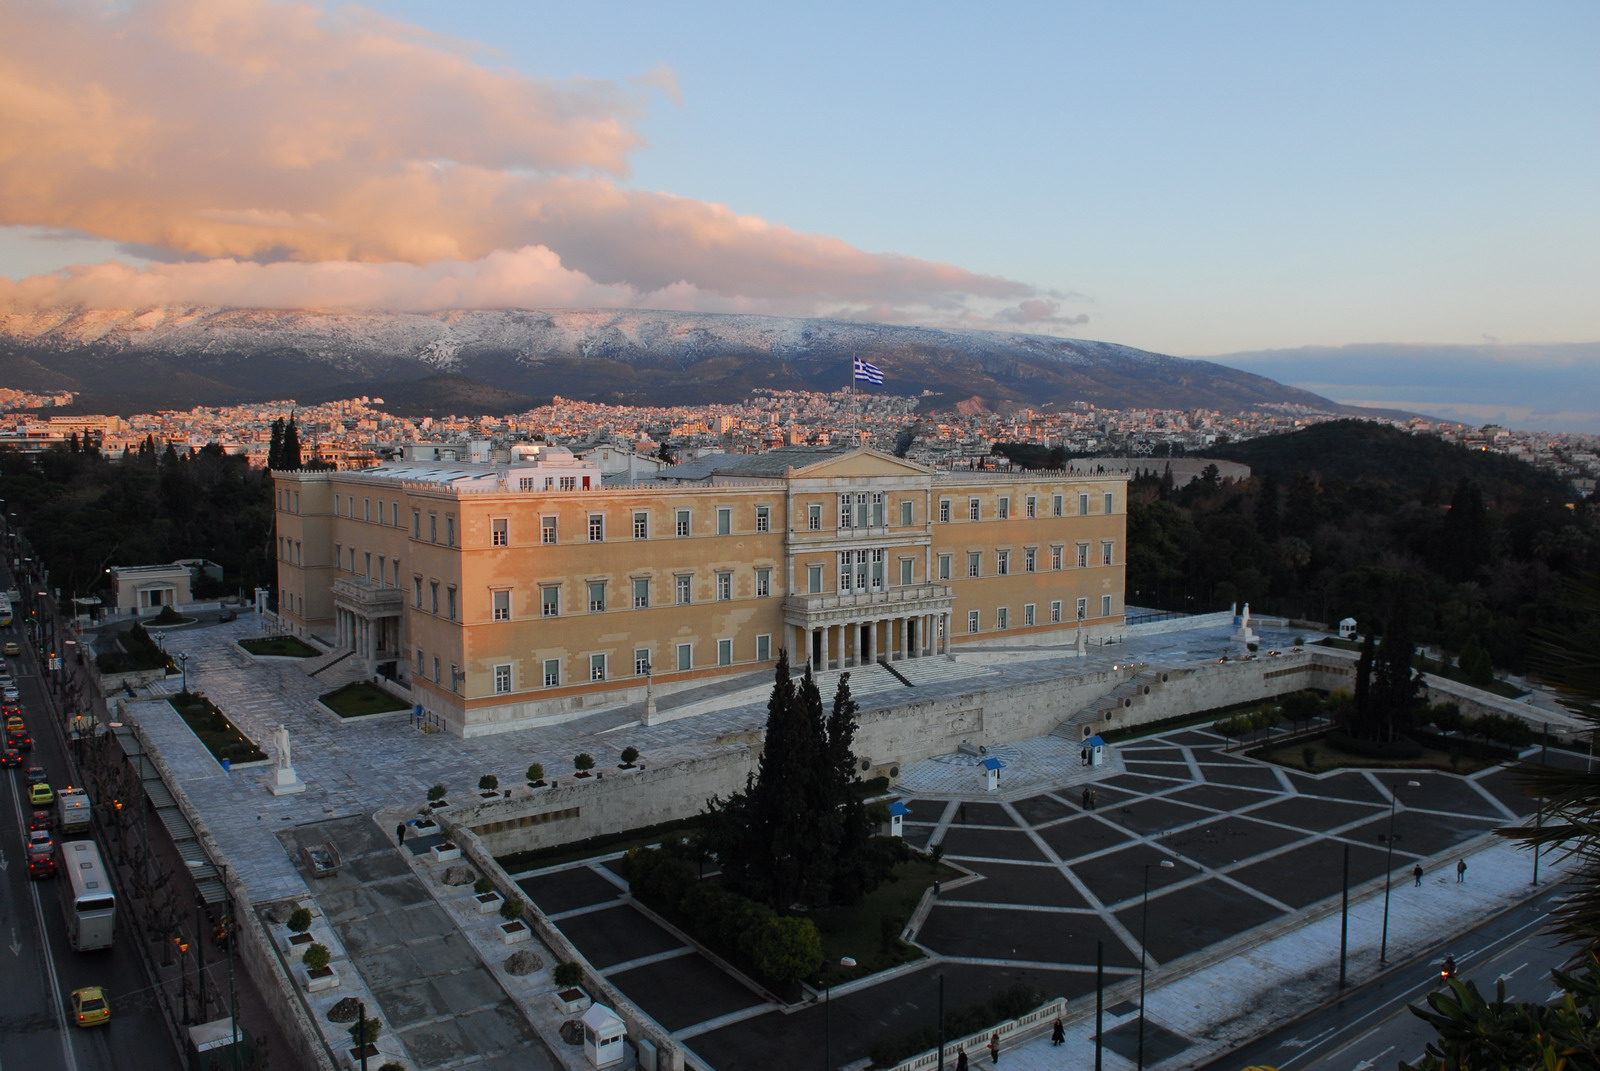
287, 155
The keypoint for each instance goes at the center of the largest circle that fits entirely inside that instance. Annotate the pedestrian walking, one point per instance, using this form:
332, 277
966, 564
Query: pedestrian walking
961, 813
1416, 875
994, 1047
1461, 871
1086, 797
399, 835
961, 1059
1058, 1033
1094, 799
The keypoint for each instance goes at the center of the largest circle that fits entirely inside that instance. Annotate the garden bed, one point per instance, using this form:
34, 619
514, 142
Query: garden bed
220, 736
359, 699
1327, 757
279, 647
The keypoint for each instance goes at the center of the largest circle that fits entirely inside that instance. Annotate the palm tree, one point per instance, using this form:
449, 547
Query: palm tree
1569, 660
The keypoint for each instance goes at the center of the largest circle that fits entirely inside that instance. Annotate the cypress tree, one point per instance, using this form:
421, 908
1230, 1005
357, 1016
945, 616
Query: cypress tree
274, 446
290, 452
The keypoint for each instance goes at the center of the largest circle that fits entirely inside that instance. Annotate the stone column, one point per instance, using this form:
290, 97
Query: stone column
872, 644
905, 637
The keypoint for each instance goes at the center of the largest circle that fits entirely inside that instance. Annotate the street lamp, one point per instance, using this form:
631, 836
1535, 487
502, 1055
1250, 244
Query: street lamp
649, 693
1144, 928
183, 665
1388, 871
827, 1025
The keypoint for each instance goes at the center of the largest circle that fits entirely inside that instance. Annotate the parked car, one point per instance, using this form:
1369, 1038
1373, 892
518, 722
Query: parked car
90, 1006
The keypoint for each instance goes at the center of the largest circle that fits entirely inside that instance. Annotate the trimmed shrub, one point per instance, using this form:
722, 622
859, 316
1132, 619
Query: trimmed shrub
511, 910
299, 920
316, 957
535, 772
630, 755
436, 793
583, 761
488, 782
567, 975
483, 885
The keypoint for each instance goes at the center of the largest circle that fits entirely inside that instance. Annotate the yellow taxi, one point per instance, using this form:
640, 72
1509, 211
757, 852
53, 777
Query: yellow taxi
15, 724
90, 1006
11, 649
41, 794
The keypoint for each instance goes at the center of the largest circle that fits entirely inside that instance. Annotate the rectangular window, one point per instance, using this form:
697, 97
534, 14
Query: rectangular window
419, 662
436, 669
1005, 507
1031, 504
597, 667
1083, 555
1105, 552
336, 509
416, 592
724, 520
547, 530
972, 620
906, 567
433, 590
641, 525
683, 522
1030, 560
944, 511
684, 586
862, 517
456, 677
641, 661
433, 528
763, 583
449, 529
338, 552
366, 509
379, 575
763, 518
1083, 609
552, 672
974, 563
974, 509
724, 652
641, 592
597, 527
502, 605
724, 587
878, 517
499, 534
597, 596
550, 602
1055, 612
502, 679
352, 558
814, 517
450, 601
814, 579
1083, 504
1027, 615
847, 569
1002, 617
685, 657
1002, 562
1111, 502
764, 647
416, 524
847, 515
569, 483
944, 567
1057, 506
1105, 606
1055, 557
905, 513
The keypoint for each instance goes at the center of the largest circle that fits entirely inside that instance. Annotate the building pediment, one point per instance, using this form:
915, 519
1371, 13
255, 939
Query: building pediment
862, 462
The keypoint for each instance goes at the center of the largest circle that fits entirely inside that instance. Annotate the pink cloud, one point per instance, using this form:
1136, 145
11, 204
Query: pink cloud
254, 132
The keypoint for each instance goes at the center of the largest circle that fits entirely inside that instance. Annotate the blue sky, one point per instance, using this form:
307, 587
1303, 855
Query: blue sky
1195, 179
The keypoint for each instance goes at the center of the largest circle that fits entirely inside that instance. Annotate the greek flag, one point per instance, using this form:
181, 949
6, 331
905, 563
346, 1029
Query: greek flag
868, 372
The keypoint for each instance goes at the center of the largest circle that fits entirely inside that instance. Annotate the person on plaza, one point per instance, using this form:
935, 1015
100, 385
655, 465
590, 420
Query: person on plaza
1058, 1033
994, 1047
1416, 875
1461, 871
400, 834
1086, 797
961, 1059
1094, 799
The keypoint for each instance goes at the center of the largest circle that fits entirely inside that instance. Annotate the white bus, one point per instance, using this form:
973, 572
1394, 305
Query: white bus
88, 902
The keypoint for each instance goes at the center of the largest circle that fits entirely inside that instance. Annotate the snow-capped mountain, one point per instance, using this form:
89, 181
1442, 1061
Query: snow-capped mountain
131, 360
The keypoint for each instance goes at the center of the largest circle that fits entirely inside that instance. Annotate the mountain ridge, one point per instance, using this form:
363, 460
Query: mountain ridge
123, 360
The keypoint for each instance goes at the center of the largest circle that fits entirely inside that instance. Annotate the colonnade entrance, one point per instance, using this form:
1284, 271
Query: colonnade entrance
861, 643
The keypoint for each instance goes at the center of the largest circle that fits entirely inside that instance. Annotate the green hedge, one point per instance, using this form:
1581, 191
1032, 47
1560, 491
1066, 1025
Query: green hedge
1401, 750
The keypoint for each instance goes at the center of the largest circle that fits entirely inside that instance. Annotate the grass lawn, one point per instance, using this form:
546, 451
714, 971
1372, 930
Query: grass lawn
360, 698
859, 931
1327, 757
220, 736
279, 647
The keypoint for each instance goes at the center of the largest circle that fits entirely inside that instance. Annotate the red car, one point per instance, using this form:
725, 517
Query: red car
41, 862
10, 757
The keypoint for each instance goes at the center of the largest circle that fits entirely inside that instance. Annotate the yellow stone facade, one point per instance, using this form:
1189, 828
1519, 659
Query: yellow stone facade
509, 595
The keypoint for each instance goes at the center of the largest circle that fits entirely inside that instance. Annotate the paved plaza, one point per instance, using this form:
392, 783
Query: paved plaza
1257, 855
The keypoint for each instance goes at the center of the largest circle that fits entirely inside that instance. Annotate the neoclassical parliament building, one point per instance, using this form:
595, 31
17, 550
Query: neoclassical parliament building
519, 588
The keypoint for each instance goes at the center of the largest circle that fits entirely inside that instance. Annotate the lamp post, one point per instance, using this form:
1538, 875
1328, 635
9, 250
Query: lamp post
183, 665
1144, 928
649, 693
827, 1024
1388, 870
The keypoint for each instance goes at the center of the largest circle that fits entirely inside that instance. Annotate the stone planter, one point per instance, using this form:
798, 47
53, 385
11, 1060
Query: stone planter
425, 827
315, 981
489, 795
573, 1000
444, 853
489, 901
440, 806
514, 933
353, 1056
296, 942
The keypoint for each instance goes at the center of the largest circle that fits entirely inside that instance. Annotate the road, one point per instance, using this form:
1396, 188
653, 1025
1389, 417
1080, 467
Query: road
1372, 1027
40, 967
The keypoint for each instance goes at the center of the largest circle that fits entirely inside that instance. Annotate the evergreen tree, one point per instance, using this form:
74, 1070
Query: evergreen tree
290, 456
1464, 540
274, 446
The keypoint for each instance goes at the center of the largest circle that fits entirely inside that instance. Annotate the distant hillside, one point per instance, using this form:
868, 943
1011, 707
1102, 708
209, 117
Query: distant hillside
133, 360
1420, 466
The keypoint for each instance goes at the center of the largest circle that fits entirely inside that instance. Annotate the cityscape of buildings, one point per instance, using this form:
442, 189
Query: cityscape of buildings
356, 432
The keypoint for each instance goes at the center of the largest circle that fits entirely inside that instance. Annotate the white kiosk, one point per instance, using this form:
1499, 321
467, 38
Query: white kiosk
1347, 628
897, 817
603, 1034
991, 773
1094, 751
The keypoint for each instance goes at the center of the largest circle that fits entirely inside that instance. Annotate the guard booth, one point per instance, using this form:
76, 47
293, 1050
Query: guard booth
897, 818
1094, 751
603, 1035
991, 773
1347, 628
